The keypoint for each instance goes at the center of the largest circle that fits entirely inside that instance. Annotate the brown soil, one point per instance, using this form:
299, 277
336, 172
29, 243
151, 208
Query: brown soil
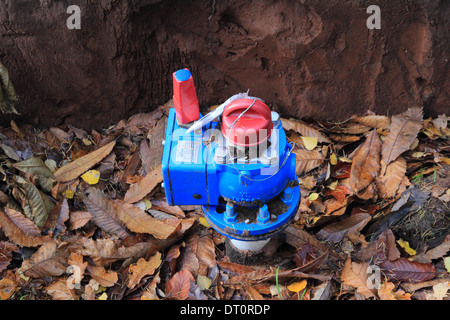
304, 58
429, 225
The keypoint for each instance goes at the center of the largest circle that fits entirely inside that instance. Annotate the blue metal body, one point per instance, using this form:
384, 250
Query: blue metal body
192, 177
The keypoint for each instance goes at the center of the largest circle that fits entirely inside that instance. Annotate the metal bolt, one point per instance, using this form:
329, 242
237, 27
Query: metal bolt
270, 156
275, 119
230, 214
263, 215
287, 194
220, 155
197, 196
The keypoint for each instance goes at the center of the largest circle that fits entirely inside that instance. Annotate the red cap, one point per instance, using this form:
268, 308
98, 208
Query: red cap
184, 97
252, 128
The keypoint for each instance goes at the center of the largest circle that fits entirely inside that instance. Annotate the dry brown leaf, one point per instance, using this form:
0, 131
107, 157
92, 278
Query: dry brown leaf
356, 275
104, 251
391, 178
59, 291
6, 250
307, 160
143, 268
335, 232
403, 130
409, 271
139, 221
57, 218
140, 189
47, 261
75, 168
206, 251
386, 292
178, 286
435, 253
163, 206
104, 277
380, 122
304, 129
366, 163
78, 219
79, 267
7, 287
104, 213
19, 229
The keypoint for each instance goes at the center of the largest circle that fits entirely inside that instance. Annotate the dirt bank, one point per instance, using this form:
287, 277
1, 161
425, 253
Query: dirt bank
305, 58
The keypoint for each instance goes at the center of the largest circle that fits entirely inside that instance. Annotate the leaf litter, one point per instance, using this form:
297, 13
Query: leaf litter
83, 216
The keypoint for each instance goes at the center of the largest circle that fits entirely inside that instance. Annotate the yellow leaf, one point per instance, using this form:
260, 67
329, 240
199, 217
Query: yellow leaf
91, 177
333, 185
68, 194
406, 247
447, 263
309, 142
87, 142
203, 282
104, 296
345, 159
313, 196
445, 160
417, 154
204, 222
333, 159
297, 286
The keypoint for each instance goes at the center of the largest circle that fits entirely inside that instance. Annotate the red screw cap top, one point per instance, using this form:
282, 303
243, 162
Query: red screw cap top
252, 128
184, 97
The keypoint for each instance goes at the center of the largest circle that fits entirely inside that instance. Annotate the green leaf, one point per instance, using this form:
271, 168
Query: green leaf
39, 203
34, 166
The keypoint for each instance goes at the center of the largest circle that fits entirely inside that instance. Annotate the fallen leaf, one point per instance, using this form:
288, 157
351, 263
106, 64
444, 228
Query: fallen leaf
309, 258
335, 232
143, 268
78, 219
356, 275
104, 277
57, 218
380, 122
203, 282
7, 287
403, 130
389, 182
140, 189
406, 247
313, 196
366, 163
409, 271
178, 286
19, 229
91, 177
6, 250
304, 130
138, 220
104, 213
309, 142
447, 263
47, 261
297, 286
440, 291
75, 168
307, 160
40, 206
386, 292
59, 291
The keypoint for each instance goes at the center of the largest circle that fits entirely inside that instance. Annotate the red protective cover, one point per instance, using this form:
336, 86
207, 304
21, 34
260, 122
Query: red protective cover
185, 100
254, 126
